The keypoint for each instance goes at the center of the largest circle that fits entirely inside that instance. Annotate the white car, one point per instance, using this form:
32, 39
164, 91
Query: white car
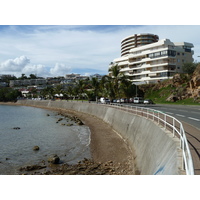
148, 101
104, 100
138, 100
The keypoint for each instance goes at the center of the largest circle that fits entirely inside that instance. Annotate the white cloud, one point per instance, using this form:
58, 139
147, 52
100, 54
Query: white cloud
14, 65
59, 70
22, 65
39, 70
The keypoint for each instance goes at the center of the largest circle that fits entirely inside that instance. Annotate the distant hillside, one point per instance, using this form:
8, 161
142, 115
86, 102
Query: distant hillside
183, 88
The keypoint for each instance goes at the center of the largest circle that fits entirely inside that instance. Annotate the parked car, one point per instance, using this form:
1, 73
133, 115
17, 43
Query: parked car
148, 101
131, 100
138, 100
104, 100
123, 100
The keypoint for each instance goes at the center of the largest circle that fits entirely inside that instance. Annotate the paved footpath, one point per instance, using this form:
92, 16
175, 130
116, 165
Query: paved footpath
193, 137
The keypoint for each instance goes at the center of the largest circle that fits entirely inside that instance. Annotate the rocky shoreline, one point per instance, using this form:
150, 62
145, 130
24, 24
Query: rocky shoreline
111, 155
84, 167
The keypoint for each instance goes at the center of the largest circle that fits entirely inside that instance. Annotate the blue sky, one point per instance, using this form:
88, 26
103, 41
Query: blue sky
55, 50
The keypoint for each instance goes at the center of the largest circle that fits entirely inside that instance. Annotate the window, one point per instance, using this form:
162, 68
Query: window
164, 53
157, 54
171, 53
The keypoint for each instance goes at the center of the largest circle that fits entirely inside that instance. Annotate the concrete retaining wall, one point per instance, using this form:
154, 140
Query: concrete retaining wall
157, 152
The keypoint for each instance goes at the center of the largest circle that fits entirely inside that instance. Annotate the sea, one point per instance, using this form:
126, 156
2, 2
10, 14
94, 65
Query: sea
22, 128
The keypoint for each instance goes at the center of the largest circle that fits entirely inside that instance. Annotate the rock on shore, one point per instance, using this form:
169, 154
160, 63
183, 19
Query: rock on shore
84, 167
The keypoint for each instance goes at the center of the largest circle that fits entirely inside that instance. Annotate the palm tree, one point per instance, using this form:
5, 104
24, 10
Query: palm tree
70, 92
128, 88
117, 78
106, 87
47, 92
80, 88
95, 86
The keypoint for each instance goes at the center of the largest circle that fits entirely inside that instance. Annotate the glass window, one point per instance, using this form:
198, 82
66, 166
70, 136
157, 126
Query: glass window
164, 53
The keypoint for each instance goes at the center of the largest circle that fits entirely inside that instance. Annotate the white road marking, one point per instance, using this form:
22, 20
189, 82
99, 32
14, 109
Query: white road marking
182, 110
170, 113
180, 115
172, 109
194, 119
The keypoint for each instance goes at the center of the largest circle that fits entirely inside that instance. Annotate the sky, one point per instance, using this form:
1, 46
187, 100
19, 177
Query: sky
54, 38
56, 50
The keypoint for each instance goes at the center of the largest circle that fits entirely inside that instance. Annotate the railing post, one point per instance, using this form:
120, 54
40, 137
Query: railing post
153, 115
182, 139
173, 128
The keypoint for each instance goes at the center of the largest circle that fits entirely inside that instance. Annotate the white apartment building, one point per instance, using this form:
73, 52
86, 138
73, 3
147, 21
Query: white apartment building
154, 62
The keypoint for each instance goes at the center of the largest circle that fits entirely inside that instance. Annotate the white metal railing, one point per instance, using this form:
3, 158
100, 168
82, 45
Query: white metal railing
169, 123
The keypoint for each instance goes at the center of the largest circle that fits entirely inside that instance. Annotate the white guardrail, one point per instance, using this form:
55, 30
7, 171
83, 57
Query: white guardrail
168, 123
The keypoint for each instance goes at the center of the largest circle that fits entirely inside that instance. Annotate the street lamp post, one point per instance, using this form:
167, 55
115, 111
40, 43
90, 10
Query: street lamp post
136, 90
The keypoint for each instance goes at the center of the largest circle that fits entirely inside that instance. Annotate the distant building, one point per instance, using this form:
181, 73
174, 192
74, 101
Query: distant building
54, 80
5, 76
3, 84
153, 62
74, 77
98, 76
27, 82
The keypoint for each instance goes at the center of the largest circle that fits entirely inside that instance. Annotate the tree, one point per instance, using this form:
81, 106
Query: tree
23, 76
8, 94
95, 86
106, 87
128, 88
33, 76
116, 78
70, 91
189, 68
47, 92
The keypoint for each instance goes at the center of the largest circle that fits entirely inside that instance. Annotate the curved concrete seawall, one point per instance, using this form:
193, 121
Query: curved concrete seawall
156, 152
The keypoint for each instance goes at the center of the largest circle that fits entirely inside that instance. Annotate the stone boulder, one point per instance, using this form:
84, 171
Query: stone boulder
172, 98
16, 128
54, 159
36, 148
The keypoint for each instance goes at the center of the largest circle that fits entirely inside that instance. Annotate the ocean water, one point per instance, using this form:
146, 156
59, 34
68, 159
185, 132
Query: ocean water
70, 143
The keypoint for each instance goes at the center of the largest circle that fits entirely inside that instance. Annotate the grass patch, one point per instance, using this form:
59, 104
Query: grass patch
159, 96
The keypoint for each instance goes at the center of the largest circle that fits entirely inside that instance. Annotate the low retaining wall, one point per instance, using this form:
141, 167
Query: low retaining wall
157, 152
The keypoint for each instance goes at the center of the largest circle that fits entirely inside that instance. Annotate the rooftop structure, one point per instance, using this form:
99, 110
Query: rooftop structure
136, 40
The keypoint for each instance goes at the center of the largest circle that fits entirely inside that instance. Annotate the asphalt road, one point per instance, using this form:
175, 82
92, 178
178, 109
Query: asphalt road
188, 114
